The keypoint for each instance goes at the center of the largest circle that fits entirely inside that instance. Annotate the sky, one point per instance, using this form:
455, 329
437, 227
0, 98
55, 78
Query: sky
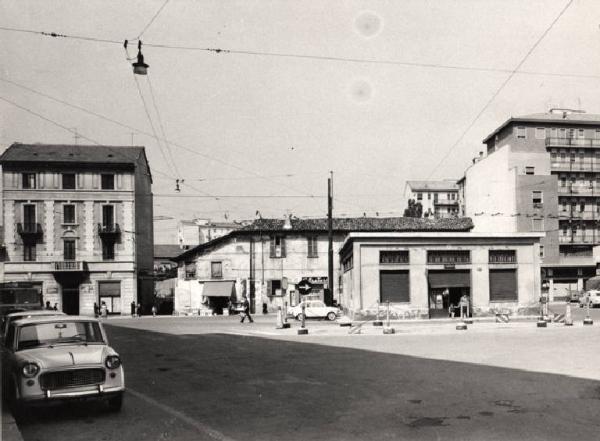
377, 92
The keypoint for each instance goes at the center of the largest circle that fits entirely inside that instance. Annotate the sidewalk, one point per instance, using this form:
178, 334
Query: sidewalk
10, 431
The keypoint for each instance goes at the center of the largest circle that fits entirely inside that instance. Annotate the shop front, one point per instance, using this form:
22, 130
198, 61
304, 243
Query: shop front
446, 287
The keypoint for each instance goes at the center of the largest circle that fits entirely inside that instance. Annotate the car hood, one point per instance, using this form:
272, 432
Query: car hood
66, 355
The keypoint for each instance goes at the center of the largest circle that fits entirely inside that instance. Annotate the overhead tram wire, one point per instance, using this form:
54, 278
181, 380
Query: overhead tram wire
499, 89
161, 126
440, 66
143, 132
152, 19
139, 89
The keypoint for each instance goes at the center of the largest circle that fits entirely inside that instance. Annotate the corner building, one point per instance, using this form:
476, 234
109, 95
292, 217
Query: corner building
78, 224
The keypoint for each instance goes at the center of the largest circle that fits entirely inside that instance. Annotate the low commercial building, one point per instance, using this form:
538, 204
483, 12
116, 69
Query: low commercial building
267, 259
424, 274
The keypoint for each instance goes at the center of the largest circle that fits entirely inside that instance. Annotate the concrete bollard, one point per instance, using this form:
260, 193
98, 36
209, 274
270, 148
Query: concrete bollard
388, 329
568, 316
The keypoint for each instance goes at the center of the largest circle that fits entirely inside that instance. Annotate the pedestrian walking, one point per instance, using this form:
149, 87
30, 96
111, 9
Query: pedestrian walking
96, 310
55, 307
133, 309
246, 312
48, 307
153, 310
139, 310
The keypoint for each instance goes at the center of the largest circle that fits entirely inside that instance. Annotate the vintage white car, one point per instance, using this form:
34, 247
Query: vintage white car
314, 309
57, 358
13, 316
592, 296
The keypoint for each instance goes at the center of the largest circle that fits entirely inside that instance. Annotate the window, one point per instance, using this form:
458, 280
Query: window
216, 270
563, 156
521, 132
537, 224
274, 287
529, 170
541, 251
29, 218
564, 206
348, 263
312, 246
69, 249
537, 197
108, 216
581, 133
108, 250
419, 196
582, 206
69, 214
503, 256
435, 197
68, 181
448, 256
110, 294
428, 196
597, 134
108, 182
393, 257
29, 180
277, 248
553, 155
563, 181
190, 270
29, 250
540, 133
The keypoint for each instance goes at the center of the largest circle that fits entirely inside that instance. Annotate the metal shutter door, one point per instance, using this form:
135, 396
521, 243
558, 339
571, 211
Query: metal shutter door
503, 285
393, 286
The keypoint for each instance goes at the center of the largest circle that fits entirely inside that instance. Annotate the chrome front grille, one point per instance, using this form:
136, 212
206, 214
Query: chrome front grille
72, 378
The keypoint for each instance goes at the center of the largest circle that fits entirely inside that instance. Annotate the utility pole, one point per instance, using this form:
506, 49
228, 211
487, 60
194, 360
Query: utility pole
329, 299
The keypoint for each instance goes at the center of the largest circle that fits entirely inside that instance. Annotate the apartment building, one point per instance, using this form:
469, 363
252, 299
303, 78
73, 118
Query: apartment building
438, 198
542, 173
76, 224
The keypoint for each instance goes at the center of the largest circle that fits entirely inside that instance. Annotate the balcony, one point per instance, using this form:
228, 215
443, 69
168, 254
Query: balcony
445, 201
109, 230
70, 266
29, 230
578, 215
578, 239
579, 190
572, 142
586, 165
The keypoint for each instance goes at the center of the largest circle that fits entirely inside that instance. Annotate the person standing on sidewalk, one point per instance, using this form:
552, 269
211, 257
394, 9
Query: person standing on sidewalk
246, 313
464, 305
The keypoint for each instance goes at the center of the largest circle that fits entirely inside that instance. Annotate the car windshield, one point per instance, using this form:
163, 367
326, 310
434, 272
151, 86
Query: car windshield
50, 334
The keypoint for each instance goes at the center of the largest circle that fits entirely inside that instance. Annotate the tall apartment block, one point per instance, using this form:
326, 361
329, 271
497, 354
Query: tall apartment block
78, 224
542, 173
438, 198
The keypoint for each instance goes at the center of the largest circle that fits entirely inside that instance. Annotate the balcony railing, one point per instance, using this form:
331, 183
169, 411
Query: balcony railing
579, 190
572, 142
445, 201
109, 229
29, 229
578, 215
578, 239
70, 266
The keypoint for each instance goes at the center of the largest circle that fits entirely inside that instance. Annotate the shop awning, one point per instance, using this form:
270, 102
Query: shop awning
449, 279
218, 289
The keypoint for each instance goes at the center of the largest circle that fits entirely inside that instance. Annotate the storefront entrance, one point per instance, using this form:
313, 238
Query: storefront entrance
70, 300
446, 287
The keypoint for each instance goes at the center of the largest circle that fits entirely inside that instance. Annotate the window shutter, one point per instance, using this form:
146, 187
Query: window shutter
269, 287
272, 248
283, 247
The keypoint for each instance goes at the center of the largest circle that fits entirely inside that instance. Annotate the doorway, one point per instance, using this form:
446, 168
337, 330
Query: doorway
70, 300
446, 287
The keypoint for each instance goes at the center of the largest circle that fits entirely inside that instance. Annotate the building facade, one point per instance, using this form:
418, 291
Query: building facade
556, 156
191, 233
76, 224
267, 259
438, 198
424, 274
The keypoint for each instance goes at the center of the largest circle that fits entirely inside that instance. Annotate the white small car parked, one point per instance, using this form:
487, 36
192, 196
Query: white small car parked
14, 316
593, 296
50, 359
314, 309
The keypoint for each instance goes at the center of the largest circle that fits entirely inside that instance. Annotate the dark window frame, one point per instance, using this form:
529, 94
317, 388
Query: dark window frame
448, 257
73, 221
502, 256
29, 252
277, 247
394, 257
104, 182
70, 185
312, 244
108, 250
26, 181
216, 269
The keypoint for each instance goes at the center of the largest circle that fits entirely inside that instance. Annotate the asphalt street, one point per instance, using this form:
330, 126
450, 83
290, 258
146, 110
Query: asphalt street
215, 379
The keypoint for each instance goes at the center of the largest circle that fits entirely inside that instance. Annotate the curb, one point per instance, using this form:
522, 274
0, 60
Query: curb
10, 431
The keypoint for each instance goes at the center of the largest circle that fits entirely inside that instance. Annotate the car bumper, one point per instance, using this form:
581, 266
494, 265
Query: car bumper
99, 391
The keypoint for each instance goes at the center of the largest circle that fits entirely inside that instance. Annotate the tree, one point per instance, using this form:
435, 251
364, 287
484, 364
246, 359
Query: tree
414, 209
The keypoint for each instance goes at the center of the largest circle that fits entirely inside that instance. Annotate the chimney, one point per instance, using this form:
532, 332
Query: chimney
287, 222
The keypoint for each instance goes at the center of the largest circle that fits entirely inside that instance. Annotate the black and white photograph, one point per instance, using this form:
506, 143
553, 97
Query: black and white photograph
255, 220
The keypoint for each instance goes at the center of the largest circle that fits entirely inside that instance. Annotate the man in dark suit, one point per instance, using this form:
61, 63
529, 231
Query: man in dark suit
246, 312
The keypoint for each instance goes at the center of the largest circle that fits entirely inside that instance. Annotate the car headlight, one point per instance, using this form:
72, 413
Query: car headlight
113, 361
30, 370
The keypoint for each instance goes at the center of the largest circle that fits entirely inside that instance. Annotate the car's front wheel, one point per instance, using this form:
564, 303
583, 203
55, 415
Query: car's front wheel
115, 403
331, 316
